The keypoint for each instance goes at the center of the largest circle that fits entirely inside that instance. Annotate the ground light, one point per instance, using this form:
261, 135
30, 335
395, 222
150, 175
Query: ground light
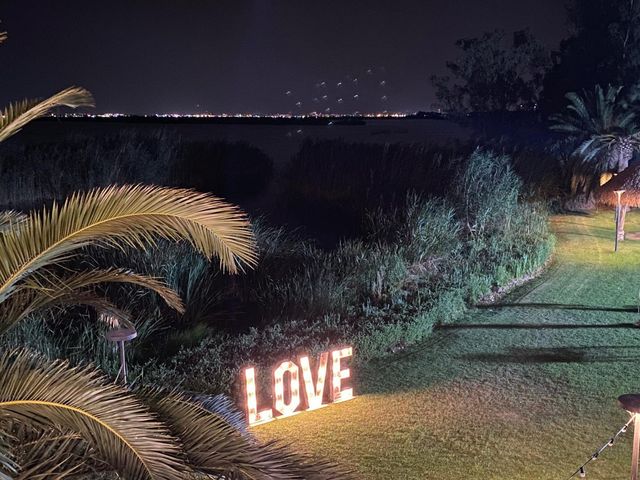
119, 335
618, 215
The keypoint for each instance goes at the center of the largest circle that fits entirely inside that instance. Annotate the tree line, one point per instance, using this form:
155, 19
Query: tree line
498, 71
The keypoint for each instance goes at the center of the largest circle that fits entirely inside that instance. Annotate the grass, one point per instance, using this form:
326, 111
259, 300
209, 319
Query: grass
521, 390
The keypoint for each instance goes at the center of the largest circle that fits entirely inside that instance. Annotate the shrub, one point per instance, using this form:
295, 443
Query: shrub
417, 263
504, 237
423, 227
45, 171
234, 170
338, 181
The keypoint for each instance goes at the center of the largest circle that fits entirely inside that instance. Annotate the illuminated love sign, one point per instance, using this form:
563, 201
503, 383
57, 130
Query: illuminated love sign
287, 398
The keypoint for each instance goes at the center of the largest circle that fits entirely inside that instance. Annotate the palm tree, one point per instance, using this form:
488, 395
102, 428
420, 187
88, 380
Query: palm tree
604, 124
58, 421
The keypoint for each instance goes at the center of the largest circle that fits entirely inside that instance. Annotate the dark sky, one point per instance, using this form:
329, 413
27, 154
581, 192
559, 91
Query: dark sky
193, 56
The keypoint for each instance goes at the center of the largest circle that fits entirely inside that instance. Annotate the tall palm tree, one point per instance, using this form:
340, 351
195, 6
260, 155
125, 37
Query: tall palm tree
60, 422
604, 124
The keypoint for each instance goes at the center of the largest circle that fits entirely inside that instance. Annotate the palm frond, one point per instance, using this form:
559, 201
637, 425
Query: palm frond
626, 121
213, 447
126, 215
10, 219
51, 284
8, 467
47, 290
602, 116
113, 422
222, 406
50, 454
561, 125
582, 116
25, 302
16, 115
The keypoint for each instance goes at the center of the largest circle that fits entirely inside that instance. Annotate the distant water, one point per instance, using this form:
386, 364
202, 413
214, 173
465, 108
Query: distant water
280, 142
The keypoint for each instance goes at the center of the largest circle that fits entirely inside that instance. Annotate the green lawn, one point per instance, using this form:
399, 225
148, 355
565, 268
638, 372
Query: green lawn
522, 390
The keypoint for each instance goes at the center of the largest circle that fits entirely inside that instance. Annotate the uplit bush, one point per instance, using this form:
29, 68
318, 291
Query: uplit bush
504, 237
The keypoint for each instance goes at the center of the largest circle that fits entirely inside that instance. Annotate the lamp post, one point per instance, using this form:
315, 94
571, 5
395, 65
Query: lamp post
618, 216
121, 335
631, 403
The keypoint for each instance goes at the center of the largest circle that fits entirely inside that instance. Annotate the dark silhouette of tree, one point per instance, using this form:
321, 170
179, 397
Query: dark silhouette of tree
495, 72
603, 49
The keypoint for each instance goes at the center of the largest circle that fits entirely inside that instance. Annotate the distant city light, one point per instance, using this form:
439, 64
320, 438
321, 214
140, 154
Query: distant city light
383, 114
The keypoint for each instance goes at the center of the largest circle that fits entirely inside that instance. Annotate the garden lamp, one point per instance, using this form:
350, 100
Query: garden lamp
123, 332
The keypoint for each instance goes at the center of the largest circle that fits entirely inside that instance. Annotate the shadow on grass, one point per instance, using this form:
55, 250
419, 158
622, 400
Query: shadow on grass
408, 369
560, 306
578, 213
604, 235
601, 354
533, 326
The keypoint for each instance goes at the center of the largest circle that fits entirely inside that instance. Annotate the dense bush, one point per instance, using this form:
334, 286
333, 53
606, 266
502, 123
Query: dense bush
504, 237
417, 263
44, 171
230, 169
334, 181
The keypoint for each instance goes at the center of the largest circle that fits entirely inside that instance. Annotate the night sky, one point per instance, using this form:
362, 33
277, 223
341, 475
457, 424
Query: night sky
262, 56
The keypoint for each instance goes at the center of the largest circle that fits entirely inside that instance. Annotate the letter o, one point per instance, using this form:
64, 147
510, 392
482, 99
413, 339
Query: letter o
294, 388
